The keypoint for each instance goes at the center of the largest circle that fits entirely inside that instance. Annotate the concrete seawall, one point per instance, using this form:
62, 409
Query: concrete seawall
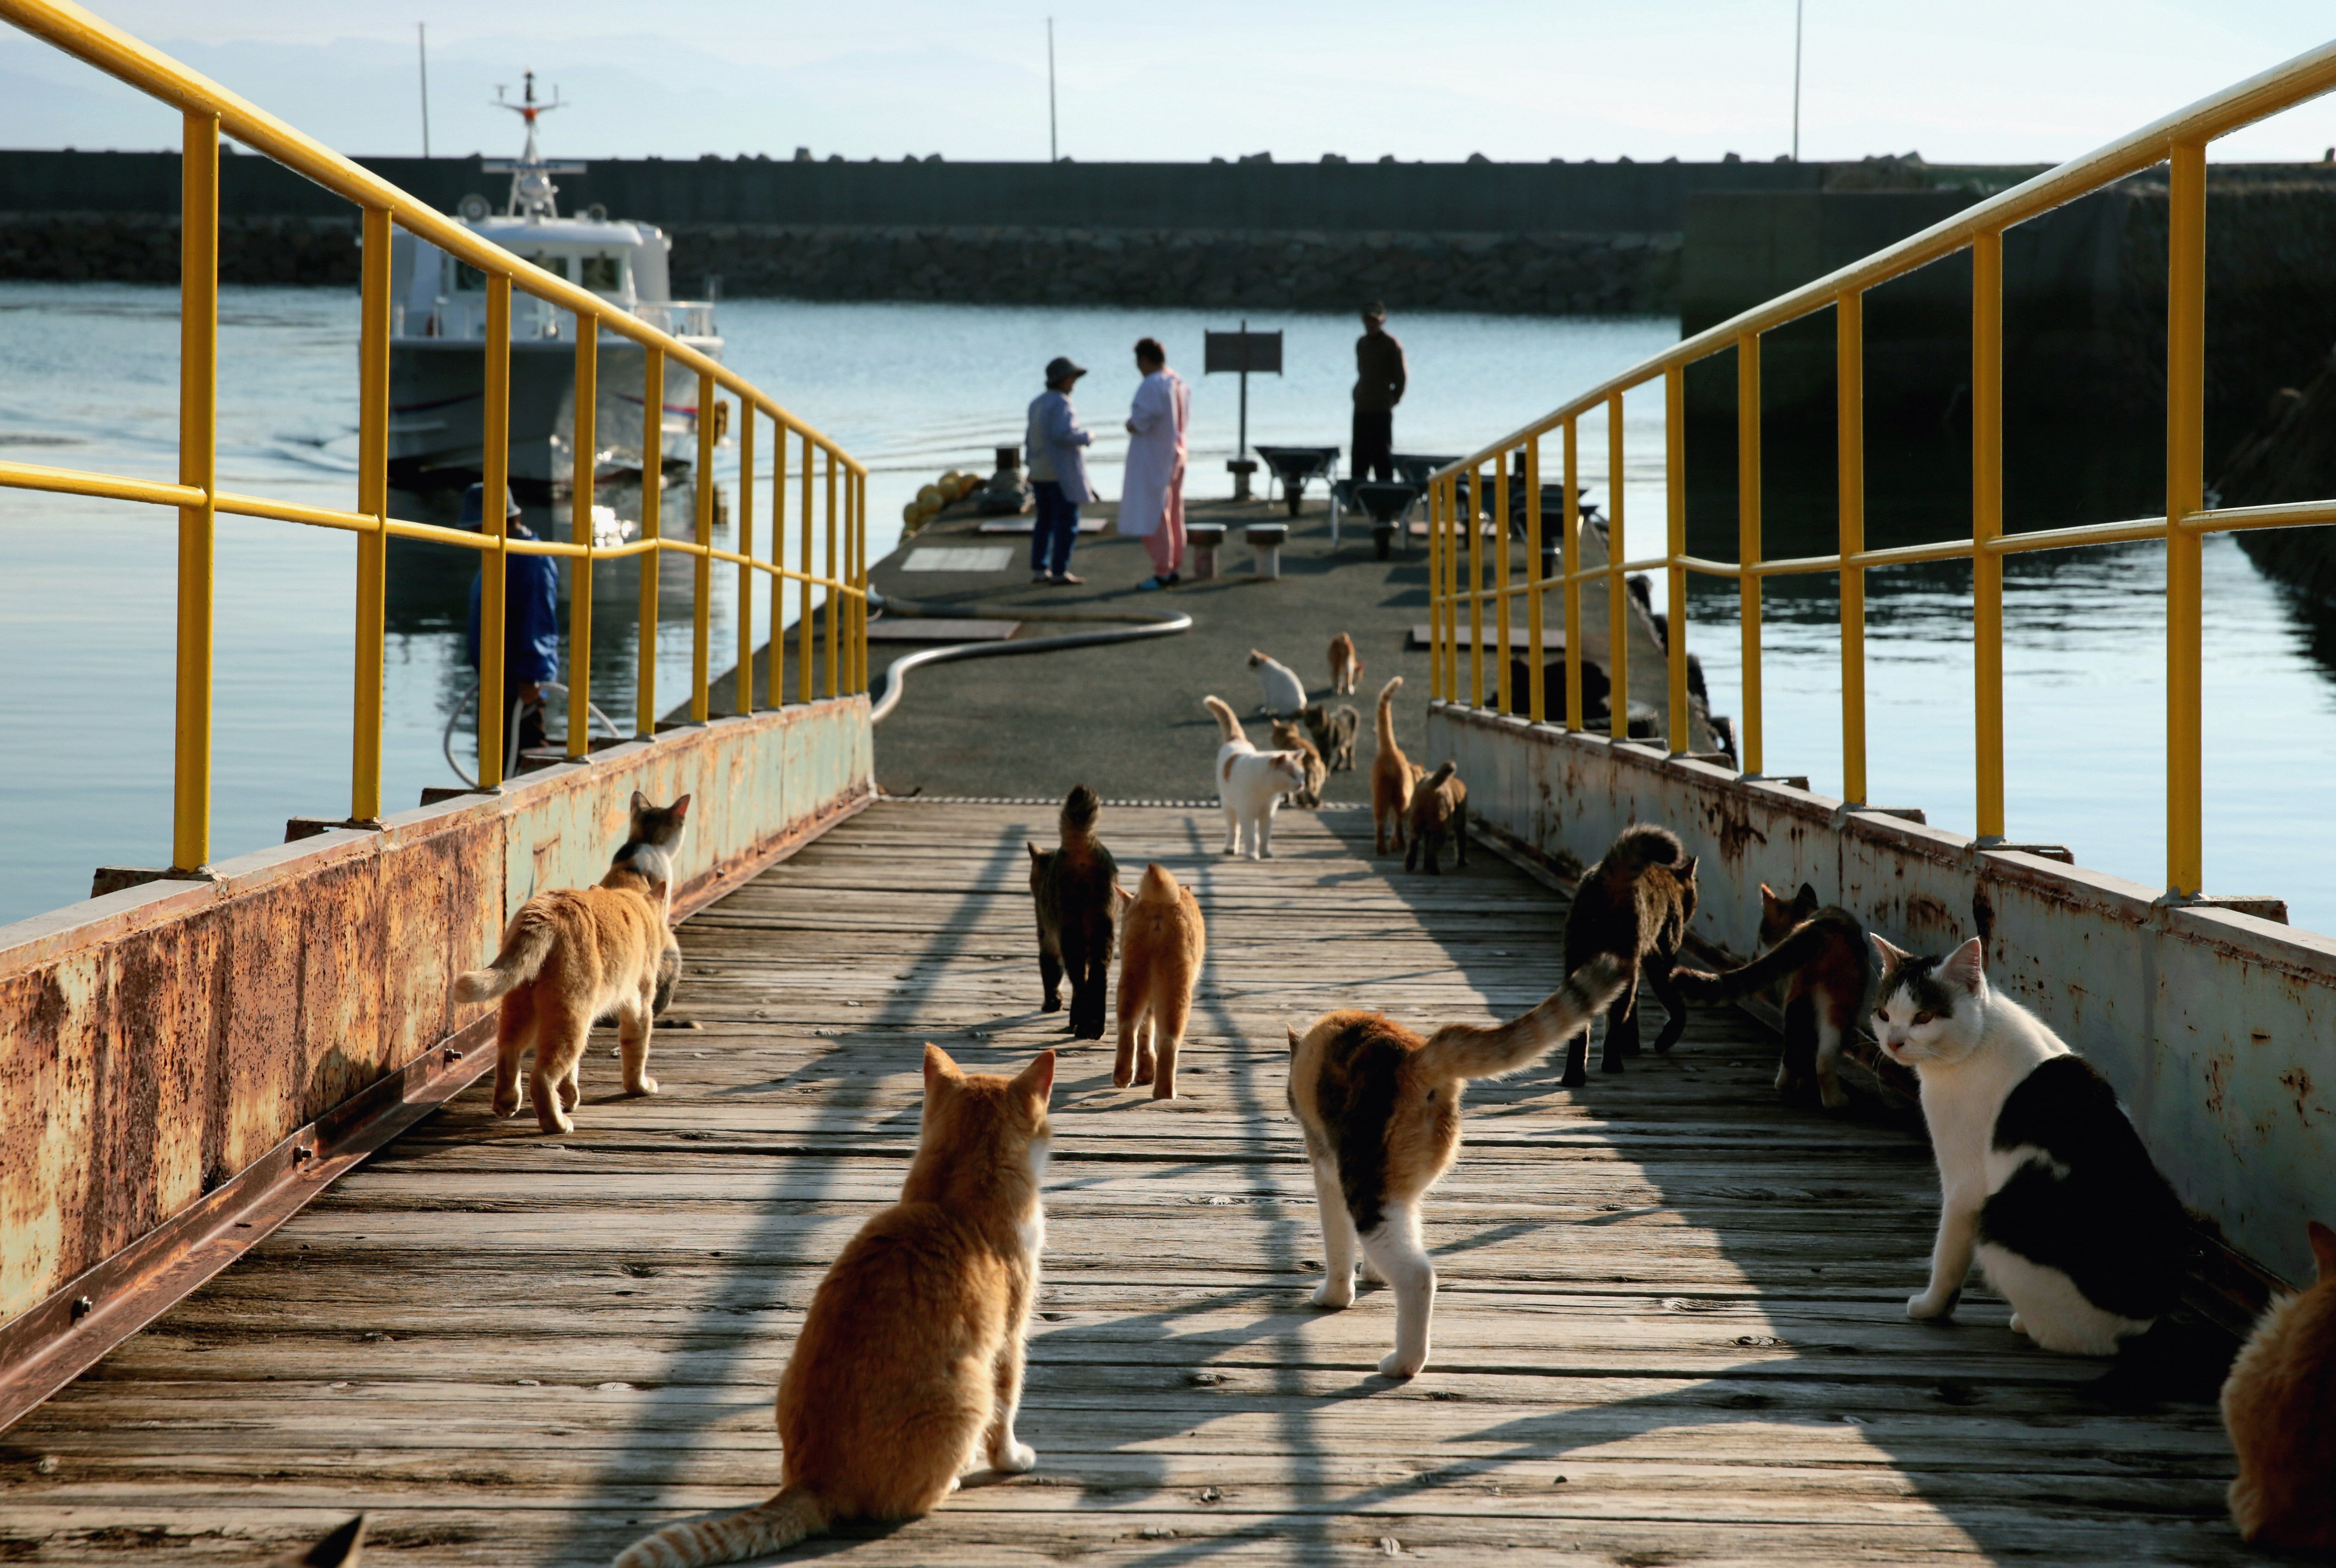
182, 1060
2212, 1025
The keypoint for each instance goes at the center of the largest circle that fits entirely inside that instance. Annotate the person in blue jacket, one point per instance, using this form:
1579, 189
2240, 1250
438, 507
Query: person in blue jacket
530, 618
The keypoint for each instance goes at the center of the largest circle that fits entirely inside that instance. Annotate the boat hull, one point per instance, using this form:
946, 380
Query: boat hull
437, 398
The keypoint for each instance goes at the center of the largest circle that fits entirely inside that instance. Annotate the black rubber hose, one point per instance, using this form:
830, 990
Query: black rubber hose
1133, 625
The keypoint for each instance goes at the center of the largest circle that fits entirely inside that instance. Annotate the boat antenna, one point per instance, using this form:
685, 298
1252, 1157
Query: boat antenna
1796, 80
421, 40
531, 190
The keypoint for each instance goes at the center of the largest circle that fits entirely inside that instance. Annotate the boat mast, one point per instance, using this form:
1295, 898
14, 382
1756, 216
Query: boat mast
531, 190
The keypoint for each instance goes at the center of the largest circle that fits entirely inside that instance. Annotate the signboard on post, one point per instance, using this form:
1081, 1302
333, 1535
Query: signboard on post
1240, 353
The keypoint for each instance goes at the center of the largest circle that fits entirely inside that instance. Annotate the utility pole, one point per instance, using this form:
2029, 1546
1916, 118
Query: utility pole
1796, 80
421, 41
1054, 153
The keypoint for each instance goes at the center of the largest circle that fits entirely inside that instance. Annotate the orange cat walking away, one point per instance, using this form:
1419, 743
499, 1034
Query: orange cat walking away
2280, 1405
1161, 943
576, 954
910, 1364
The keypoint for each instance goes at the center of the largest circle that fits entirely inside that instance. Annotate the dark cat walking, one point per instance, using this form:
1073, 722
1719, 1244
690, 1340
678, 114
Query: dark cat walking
1822, 955
1074, 888
1634, 904
1439, 809
1334, 729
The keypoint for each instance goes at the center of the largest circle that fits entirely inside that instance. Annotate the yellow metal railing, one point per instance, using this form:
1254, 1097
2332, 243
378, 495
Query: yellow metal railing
2179, 139
212, 111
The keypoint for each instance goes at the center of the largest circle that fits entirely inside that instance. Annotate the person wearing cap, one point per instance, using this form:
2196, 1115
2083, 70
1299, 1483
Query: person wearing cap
531, 620
1152, 497
1378, 387
1058, 473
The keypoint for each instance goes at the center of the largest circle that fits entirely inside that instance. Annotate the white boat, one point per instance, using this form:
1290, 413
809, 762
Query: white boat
438, 324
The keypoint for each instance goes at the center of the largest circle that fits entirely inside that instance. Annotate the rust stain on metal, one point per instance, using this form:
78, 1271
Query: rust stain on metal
2298, 1083
1729, 818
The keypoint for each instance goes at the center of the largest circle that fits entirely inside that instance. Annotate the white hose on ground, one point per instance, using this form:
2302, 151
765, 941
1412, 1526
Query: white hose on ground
895, 677
511, 730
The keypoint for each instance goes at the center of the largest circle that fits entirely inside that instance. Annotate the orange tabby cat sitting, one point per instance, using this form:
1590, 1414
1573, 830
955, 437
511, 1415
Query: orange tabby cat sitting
576, 954
910, 1364
2280, 1405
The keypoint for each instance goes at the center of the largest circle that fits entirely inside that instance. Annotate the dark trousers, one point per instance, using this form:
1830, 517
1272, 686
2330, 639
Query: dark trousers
1374, 445
1055, 530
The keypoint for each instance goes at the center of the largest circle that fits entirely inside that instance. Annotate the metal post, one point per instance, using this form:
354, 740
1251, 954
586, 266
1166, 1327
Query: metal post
1500, 680
190, 793
1618, 590
701, 643
803, 587
494, 565
744, 694
580, 532
1572, 582
1475, 525
1675, 548
644, 714
1435, 589
2186, 398
1986, 523
1850, 334
1536, 709
1747, 539
775, 676
859, 604
834, 600
373, 501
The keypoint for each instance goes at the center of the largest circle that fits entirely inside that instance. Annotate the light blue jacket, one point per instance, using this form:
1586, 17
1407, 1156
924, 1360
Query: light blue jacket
1057, 445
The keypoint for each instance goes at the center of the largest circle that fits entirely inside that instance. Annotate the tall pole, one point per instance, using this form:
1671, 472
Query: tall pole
1054, 154
1797, 79
422, 41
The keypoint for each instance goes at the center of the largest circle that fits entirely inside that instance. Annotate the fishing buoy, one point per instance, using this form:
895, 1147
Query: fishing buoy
931, 496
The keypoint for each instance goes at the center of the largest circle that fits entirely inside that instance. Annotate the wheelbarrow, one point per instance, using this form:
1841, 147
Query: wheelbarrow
1294, 465
1388, 505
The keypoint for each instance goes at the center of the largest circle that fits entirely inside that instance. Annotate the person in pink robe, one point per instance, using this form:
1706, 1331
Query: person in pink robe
1152, 497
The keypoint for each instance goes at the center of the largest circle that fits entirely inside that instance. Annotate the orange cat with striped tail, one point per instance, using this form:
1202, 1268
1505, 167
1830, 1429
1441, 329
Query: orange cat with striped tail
909, 1368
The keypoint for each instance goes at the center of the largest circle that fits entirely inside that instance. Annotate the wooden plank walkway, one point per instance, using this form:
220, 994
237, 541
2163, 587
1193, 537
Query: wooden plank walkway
1671, 1327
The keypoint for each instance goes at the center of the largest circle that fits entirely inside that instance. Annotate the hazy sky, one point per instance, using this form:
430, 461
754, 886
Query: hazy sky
1983, 80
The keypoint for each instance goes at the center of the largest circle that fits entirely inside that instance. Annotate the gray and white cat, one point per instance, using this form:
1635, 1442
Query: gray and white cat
1284, 693
2040, 1171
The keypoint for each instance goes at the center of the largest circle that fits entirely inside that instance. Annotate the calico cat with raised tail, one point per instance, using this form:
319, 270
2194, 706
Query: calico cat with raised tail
907, 1372
1251, 783
1074, 887
1634, 904
573, 955
1381, 1112
1393, 776
1821, 956
2280, 1405
2040, 1173
1163, 943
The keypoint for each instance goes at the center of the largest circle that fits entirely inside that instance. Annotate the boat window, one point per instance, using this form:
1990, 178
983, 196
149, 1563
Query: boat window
469, 279
555, 265
606, 273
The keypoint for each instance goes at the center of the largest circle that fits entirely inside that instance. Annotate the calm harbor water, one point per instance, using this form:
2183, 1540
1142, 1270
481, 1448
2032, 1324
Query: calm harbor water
87, 378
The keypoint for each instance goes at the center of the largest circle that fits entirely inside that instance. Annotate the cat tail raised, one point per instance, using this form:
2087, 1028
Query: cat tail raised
1801, 946
1386, 714
1461, 1051
525, 947
1229, 725
773, 1527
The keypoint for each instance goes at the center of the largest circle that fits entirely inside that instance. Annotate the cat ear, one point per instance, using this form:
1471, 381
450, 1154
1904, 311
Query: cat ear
640, 800
2323, 1249
1037, 1079
680, 809
1966, 968
1685, 870
938, 1065
1036, 852
1889, 954
1769, 894
1293, 1039
1806, 899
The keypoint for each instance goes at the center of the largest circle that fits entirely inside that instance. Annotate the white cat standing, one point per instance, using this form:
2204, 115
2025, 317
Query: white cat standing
2040, 1173
1251, 783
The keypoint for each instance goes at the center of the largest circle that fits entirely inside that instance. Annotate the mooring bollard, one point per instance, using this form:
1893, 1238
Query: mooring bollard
1266, 540
1201, 542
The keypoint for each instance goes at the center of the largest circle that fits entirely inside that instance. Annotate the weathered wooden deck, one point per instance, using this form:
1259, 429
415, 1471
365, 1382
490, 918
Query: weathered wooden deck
1671, 1327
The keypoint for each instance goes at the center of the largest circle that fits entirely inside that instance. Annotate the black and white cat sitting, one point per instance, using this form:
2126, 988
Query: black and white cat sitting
2039, 1170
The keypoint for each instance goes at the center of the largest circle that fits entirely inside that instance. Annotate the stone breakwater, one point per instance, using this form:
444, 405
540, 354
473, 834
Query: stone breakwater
1512, 273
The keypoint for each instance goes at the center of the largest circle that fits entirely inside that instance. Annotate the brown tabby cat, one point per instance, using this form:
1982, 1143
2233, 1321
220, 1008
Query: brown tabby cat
1162, 944
1634, 904
2280, 1405
909, 1368
1827, 964
1333, 729
568, 957
1439, 809
1393, 776
1381, 1111
342, 1548
1288, 736
1072, 887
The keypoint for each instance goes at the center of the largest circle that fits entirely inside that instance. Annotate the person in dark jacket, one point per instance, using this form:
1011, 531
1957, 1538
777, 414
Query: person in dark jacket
531, 620
1379, 375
